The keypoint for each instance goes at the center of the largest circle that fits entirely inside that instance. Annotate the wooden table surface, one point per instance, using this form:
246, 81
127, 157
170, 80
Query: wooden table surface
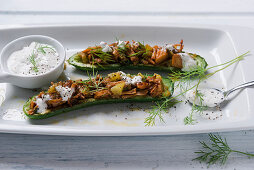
18, 151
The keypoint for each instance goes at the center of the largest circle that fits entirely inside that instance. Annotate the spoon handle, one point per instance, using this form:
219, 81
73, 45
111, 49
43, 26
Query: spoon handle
239, 87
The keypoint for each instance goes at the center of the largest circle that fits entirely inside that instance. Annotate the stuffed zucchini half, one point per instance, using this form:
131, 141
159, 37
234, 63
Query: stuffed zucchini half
125, 55
117, 87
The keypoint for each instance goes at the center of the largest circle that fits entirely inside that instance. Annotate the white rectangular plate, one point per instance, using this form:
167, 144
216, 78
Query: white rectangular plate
216, 44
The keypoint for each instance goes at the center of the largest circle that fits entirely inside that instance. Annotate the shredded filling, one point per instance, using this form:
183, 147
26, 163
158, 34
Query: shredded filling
116, 85
124, 53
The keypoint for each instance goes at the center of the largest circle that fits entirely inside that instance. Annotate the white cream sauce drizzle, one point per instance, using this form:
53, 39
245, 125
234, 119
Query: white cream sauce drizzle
65, 92
188, 62
134, 80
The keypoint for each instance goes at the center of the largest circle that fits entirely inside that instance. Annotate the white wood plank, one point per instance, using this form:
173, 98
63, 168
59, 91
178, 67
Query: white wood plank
10, 19
136, 6
163, 152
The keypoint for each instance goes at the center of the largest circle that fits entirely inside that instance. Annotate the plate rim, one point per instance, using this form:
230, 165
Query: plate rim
135, 131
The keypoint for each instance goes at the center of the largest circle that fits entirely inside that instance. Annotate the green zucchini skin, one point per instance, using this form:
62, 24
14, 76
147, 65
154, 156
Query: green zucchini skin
76, 62
26, 106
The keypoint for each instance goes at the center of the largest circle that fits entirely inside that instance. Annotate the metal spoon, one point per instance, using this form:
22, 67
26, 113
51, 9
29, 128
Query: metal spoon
216, 97
226, 93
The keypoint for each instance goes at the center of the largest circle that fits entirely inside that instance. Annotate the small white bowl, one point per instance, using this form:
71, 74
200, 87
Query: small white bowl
32, 81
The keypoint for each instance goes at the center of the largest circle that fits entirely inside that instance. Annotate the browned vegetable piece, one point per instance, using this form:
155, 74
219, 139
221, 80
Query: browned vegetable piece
55, 102
166, 93
144, 62
32, 104
177, 61
150, 61
134, 60
161, 56
149, 48
84, 57
102, 94
154, 52
142, 93
142, 85
156, 90
116, 54
118, 89
135, 46
52, 89
133, 91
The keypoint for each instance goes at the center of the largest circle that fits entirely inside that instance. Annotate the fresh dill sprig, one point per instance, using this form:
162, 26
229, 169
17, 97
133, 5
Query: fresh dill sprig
193, 73
189, 120
155, 112
183, 77
225, 65
159, 109
199, 109
200, 72
217, 152
198, 96
183, 80
202, 76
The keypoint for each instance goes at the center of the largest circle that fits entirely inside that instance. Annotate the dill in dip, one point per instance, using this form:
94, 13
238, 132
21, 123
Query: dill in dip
205, 97
35, 59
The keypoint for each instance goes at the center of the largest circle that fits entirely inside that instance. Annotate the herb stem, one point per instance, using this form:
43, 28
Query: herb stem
185, 77
244, 153
231, 61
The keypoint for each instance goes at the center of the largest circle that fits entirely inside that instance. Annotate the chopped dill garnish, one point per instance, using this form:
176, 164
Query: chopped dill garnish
141, 46
32, 61
141, 50
41, 49
137, 54
104, 56
122, 50
217, 152
117, 39
96, 84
